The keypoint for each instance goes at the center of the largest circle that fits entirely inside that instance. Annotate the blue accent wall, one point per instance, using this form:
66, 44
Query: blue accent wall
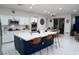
77, 23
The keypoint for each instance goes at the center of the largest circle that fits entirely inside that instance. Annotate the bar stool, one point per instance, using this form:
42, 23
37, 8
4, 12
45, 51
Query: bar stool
49, 37
57, 41
36, 40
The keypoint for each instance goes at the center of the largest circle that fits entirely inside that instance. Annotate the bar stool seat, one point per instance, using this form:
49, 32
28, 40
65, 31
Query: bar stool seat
49, 37
36, 40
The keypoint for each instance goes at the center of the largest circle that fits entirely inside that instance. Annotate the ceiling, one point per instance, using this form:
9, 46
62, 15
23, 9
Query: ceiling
45, 9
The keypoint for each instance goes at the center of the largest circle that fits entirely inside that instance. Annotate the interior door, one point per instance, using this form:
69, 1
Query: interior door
55, 23
59, 24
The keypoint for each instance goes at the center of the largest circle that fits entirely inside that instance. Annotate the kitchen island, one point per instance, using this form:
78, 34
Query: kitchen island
27, 43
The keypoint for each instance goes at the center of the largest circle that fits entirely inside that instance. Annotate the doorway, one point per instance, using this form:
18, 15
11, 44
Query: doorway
59, 24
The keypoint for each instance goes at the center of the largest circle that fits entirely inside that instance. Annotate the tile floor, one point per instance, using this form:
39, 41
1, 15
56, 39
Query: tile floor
68, 46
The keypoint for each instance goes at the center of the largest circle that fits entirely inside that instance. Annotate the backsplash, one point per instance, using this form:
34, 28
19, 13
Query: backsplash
21, 27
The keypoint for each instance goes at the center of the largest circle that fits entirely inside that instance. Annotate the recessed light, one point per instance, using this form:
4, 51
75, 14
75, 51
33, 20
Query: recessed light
74, 10
60, 8
31, 7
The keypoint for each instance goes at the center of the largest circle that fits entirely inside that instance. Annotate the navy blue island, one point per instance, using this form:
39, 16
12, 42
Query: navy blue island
27, 43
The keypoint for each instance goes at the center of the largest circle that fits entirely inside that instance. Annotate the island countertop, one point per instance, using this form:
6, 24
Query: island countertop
27, 36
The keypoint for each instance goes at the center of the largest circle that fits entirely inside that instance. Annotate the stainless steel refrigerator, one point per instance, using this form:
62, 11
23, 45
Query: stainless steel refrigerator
0, 38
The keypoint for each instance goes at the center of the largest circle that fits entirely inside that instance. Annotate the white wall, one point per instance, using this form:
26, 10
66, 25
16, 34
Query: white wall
50, 24
73, 20
67, 28
41, 27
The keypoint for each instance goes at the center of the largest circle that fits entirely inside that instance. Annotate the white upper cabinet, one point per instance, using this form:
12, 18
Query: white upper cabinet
24, 21
16, 18
5, 19
33, 19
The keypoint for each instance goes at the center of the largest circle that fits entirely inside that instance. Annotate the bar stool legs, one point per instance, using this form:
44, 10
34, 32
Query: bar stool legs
57, 41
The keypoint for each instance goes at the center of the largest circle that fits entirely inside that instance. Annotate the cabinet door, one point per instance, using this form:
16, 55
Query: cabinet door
56, 23
24, 20
5, 19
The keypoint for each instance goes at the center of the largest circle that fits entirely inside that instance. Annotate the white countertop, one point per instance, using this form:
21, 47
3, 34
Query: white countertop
28, 36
